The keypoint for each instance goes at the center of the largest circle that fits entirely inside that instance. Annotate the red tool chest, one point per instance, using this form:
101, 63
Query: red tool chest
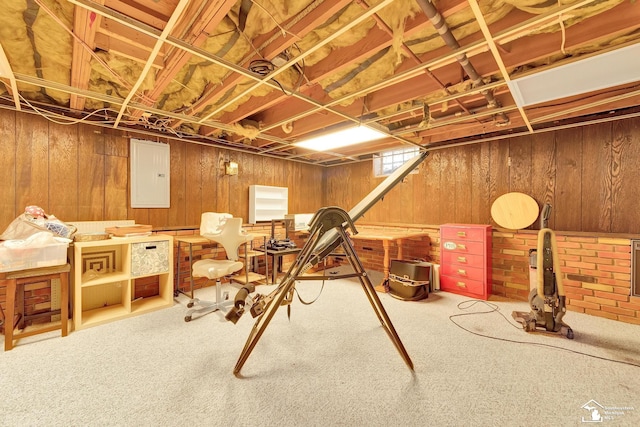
465, 259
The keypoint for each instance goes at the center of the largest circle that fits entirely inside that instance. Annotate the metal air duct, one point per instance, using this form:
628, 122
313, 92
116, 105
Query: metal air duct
443, 29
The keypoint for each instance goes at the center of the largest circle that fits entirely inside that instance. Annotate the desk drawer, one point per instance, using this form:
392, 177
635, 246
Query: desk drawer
149, 258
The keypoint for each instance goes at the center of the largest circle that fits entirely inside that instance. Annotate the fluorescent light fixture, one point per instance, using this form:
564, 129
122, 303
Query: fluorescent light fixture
341, 138
608, 69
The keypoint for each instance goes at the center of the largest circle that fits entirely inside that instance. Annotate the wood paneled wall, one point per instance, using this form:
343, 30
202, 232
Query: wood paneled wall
590, 176
81, 173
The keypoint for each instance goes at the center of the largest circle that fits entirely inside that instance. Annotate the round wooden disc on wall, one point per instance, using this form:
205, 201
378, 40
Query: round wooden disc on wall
514, 211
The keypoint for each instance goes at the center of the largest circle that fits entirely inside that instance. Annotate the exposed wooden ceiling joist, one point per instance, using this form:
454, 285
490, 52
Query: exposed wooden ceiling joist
386, 68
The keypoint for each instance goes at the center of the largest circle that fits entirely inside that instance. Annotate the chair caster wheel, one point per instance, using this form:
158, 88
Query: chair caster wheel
570, 334
187, 318
189, 305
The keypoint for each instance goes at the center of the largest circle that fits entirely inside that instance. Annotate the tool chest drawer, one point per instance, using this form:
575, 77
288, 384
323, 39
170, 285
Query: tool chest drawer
465, 259
465, 272
468, 287
462, 259
463, 233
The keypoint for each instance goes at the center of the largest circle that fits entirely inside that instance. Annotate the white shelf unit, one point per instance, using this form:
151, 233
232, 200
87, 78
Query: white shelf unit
267, 203
104, 277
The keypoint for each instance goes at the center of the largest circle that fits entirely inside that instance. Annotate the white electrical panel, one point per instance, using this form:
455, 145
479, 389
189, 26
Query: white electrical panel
150, 179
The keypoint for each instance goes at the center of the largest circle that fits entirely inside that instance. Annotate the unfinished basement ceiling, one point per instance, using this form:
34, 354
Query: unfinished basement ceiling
259, 75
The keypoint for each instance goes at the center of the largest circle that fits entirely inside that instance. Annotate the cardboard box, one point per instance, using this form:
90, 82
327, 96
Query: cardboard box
13, 259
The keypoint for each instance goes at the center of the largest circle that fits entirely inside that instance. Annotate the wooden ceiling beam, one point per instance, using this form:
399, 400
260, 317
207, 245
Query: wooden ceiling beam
197, 33
622, 19
127, 50
304, 26
376, 40
607, 99
85, 25
116, 30
536, 47
6, 73
495, 51
603, 101
276, 115
175, 16
152, 16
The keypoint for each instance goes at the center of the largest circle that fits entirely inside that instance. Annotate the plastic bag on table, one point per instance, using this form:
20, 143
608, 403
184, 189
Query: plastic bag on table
27, 225
39, 239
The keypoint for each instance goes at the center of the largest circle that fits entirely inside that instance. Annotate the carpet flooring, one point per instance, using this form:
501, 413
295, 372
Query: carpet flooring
330, 364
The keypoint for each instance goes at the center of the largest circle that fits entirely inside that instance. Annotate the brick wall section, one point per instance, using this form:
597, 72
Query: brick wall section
371, 252
596, 272
37, 299
146, 287
204, 251
510, 258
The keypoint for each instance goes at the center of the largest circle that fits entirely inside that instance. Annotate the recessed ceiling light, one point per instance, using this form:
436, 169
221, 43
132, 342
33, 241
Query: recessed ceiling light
597, 72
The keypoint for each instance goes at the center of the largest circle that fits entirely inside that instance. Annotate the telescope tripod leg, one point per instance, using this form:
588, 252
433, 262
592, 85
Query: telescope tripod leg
262, 323
285, 288
376, 304
288, 284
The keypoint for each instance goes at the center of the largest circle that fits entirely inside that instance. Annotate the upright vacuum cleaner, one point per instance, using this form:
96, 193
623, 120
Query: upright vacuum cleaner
547, 299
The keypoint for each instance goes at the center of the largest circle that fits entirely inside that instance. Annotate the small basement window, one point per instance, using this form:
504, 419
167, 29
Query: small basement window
385, 163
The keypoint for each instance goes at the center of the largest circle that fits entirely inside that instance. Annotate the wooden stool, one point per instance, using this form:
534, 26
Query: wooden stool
23, 277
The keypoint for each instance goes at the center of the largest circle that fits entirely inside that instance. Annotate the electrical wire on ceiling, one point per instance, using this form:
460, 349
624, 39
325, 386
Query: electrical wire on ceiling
161, 125
493, 308
564, 35
264, 67
65, 120
180, 135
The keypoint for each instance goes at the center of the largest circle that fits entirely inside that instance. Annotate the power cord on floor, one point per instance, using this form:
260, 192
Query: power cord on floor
493, 308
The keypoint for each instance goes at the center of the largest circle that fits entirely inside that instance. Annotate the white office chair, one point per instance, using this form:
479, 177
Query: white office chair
212, 222
231, 236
